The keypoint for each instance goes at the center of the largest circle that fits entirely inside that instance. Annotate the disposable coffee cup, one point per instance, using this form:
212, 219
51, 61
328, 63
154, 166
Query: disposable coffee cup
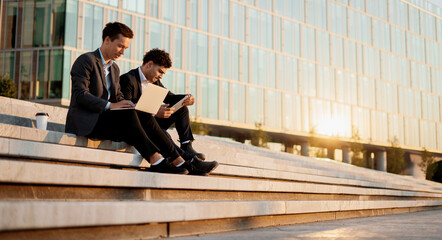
42, 120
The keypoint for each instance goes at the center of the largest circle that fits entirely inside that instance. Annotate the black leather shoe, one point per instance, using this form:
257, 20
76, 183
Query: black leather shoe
197, 167
166, 167
187, 147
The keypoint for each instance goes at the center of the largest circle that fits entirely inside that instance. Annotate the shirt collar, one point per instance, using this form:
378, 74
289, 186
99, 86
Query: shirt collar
103, 61
142, 77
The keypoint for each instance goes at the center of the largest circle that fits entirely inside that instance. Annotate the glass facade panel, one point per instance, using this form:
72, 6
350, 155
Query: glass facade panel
346, 87
238, 98
386, 96
215, 56
378, 8
28, 23
7, 66
359, 26
396, 128
381, 38
372, 66
71, 21
307, 78
380, 132
398, 11
358, 4
239, 20
226, 101
420, 77
291, 8
139, 43
398, 45
198, 57
337, 51
412, 137
317, 13
350, 56
177, 53
291, 38
323, 46
416, 47
430, 107
366, 92
209, 101
409, 102
309, 43
428, 25
93, 19
288, 73
292, 112
25, 86
338, 18
361, 122
274, 109
428, 134
414, 19
326, 83
256, 109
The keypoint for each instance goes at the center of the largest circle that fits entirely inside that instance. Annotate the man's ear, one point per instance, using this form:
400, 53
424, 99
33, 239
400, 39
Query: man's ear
149, 64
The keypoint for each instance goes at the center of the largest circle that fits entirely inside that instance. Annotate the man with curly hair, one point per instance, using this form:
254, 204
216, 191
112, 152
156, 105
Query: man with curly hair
155, 64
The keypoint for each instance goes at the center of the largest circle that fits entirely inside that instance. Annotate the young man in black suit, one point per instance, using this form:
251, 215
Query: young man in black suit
96, 91
155, 64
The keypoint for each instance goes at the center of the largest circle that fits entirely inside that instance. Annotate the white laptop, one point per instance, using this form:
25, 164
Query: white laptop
151, 99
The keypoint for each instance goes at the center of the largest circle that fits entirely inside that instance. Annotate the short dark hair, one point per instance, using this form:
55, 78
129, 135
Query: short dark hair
112, 30
159, 57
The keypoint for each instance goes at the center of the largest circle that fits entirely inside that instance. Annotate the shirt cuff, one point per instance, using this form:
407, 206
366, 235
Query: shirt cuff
107, 106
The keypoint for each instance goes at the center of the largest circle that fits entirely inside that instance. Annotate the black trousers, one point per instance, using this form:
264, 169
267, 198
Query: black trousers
125, 125
181, 120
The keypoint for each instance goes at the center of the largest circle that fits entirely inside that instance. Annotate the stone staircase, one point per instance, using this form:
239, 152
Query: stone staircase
55, 185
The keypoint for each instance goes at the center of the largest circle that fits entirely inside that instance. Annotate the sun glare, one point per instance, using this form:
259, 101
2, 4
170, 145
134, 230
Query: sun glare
332, 127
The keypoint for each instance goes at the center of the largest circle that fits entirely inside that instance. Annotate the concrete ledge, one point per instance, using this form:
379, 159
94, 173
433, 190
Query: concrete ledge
55, 152
29, 215
43, 136
36, 173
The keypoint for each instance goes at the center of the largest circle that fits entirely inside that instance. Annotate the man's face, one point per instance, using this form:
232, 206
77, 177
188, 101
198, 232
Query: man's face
115, 49
154, 72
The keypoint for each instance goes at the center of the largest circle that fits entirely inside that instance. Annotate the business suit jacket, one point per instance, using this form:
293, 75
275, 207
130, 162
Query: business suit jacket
131, 87
89, 92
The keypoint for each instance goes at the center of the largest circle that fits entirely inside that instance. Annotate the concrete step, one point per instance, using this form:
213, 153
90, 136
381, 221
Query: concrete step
20, 215
23, 172
262, 167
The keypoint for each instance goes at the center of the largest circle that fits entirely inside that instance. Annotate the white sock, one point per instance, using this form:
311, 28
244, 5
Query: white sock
179, 165
157, 162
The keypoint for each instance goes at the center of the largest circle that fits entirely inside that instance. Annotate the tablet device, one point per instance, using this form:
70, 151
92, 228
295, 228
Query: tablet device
179, 104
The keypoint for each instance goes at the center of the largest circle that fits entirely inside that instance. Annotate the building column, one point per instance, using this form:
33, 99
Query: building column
288, 147
381, 160
305, 149
346, 155
331, 153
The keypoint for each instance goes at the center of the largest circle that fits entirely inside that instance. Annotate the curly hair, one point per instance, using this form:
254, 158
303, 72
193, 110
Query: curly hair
159, 57
112, 30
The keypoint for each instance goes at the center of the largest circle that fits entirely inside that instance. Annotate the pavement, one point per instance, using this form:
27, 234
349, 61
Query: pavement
419, 225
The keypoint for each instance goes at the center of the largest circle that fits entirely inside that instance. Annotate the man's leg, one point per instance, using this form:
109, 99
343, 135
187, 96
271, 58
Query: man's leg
160, 139
181, 118
124, 125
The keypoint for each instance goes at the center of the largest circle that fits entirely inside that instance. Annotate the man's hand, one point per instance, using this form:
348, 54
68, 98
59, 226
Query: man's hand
122, 104
164, 111
189, 101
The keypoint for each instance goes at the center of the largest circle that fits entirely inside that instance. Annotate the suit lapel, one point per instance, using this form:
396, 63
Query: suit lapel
101, 70
138, 82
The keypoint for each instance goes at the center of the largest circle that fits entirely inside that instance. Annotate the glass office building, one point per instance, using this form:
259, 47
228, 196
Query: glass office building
292, 65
